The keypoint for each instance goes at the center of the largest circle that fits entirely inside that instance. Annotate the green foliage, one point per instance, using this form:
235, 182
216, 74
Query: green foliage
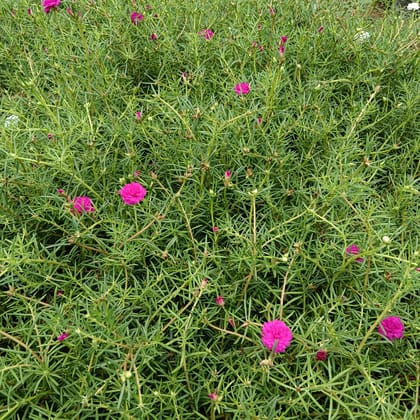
323, 153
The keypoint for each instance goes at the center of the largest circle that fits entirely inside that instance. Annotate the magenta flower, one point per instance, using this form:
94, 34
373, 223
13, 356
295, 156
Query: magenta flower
241, 88
213, 396
220, 300
354, 250
391, 327
283, 41
132, 193
136, 18
206, 34
215, 229
29, 12
321, 355
139, 116
82, 204
276, 336
228, 174
50, 4
153, 37
62, 336
320, 29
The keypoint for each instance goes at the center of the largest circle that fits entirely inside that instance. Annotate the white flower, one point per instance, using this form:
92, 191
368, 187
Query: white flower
362, 36
11, 121
413, 6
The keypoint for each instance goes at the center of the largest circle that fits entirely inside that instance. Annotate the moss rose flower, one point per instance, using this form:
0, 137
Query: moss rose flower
132, 193
82, 204
50, 4
276, 336
391, 327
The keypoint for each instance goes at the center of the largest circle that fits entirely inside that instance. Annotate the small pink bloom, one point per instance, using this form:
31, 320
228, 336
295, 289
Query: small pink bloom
184, 76
153, 37
50, 4
139, 116
271, 11
283, 41
320, 29
276, 336
204, 282
136, 174
213, 396
62, 336
418, 269
206, 34
231, 322
321, 355
50, 136
254, 44
354, 250
69, 11
82, 204
29, 12
391, 327
60, 191
259, 121
228, 174
242, 88
136, 18
132, 193
220, 300
215, 229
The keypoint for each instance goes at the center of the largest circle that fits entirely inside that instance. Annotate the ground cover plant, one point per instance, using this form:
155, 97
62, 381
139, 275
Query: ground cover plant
209, 210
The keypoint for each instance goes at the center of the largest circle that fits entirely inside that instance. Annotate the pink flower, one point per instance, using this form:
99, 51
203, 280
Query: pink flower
29, 12
354, 250
231, 322
50, 136
132, 193
418, 269
228, 174
276, 335
139, 116
259, 121
136, 18
220, 300
69, 11
391, 328
283, 41
271, 11
60, 191
50, 4
153, 37
82, 204
320, 29
213, 396
215, 229
62, 336
321, 355
206, 33
241, 88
